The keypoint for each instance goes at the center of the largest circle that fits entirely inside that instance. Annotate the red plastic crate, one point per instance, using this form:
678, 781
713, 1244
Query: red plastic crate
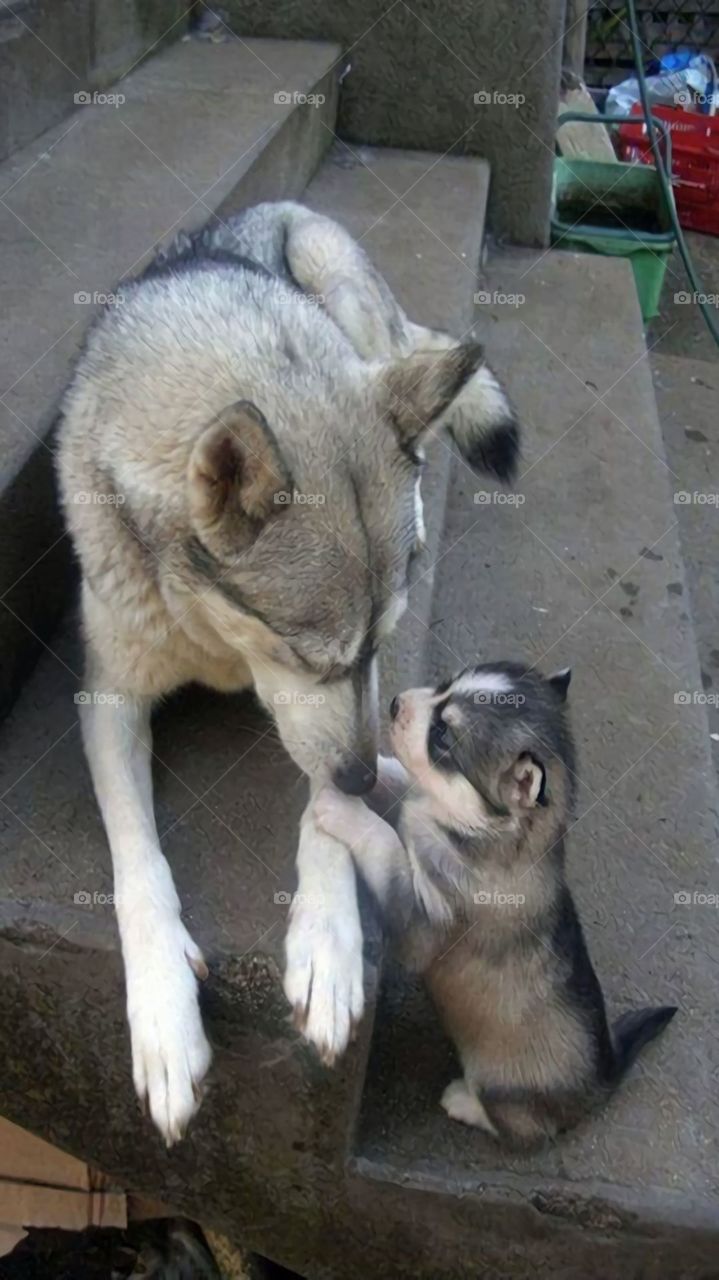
695, 162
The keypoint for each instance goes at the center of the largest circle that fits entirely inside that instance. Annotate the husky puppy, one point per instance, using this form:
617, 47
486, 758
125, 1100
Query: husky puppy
472, 886
239, 462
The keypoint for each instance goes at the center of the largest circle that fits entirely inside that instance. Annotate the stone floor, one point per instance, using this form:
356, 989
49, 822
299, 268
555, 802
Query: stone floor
685, 365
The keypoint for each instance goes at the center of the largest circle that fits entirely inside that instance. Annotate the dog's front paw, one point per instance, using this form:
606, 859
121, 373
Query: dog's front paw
323, 978
170, 1052
341, 816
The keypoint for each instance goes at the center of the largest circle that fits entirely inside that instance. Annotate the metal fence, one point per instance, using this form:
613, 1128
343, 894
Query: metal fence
663, 27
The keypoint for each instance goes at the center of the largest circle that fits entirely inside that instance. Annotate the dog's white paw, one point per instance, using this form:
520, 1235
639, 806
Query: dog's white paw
463, 1105
323, 978
343, 817
170, 1052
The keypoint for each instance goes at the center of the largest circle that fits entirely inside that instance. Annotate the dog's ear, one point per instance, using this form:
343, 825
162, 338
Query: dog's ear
527, 782
423, 386
237, 479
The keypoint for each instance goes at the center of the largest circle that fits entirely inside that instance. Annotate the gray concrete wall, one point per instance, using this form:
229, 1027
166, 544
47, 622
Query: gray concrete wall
416, 68
51, 50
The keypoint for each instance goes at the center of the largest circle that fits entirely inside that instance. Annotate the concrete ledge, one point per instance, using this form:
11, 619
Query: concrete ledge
199, 131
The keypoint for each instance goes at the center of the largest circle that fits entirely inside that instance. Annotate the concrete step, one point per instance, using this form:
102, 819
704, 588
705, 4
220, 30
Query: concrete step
583, 569
687, 391
48, 53
198, 132
267, 1152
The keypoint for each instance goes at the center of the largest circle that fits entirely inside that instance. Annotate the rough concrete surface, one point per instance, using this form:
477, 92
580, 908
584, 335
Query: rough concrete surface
687, 393
51, 51
679, 329
199, 132
685, 364
414, 72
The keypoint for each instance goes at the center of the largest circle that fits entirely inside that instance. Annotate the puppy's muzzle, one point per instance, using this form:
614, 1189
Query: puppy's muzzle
355, 777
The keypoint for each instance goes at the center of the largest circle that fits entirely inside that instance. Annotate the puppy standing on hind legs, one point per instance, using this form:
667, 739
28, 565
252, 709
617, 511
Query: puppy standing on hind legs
472, 885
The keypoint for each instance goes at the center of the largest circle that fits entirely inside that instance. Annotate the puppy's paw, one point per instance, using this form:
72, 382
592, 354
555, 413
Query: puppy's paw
323, 977
462, 1104
170, 1053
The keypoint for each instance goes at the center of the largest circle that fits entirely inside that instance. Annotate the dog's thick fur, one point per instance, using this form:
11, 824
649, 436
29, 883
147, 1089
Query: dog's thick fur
239, 465
473, 888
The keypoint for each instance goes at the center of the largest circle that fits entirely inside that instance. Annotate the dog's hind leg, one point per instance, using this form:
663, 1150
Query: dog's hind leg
170, 1054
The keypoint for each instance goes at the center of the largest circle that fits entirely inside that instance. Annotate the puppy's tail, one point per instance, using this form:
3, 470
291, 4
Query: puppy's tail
636, 1029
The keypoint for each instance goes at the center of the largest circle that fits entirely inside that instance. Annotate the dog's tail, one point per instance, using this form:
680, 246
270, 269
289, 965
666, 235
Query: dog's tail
481, 418
484, 426
634, 1030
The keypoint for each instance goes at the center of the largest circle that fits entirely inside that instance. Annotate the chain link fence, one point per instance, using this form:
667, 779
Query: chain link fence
664, 27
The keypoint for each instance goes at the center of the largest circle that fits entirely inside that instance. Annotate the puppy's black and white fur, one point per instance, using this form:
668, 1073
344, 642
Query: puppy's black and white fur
471, 880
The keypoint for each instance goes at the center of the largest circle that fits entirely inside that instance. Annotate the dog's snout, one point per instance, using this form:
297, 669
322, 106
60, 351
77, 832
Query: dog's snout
355, 777
394, 707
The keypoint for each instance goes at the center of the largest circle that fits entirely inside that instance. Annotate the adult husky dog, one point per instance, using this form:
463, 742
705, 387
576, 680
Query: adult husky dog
249, 425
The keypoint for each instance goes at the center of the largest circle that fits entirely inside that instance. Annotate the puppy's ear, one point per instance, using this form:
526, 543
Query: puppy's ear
527, 783
422, 387
236, 478
560, 682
